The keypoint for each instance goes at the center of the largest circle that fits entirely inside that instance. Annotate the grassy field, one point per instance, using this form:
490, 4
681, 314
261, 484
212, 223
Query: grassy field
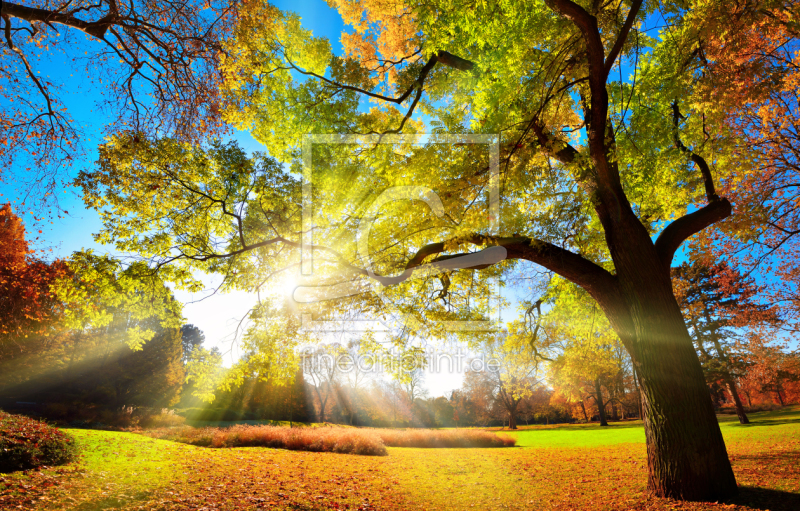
555, 467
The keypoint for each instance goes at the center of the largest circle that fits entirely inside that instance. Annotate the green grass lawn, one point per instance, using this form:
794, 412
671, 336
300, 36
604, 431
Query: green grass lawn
555, 467
590, 435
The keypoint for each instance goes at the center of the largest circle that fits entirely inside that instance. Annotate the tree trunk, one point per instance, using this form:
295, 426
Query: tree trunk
598, 397
614, 413
780, 398
686, 454
731, 382
585, 416
321, 417
737, 401
512, 421
687, 459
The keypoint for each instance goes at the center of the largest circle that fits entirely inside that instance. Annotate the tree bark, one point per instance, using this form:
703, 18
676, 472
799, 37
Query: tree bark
598, 397
639, 400
585, 416
687, 458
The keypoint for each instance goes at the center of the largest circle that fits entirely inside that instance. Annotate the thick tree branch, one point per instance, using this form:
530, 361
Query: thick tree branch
601, 137
555, 148
587, 24
454, 61
681, 229
96, 29
569, 265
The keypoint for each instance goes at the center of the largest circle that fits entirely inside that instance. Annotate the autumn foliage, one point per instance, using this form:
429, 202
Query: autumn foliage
27, 304
154, 64
26, 443
751, 74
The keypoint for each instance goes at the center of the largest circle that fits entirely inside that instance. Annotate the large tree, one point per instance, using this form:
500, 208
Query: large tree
603, 179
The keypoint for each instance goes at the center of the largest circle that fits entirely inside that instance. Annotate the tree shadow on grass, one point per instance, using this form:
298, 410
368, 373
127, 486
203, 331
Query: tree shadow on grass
765, 422
636, 424
113, 502
766, 499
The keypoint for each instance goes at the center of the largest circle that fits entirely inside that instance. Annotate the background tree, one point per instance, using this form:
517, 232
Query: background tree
719, 306
321, 368
772, 370
191, 338
512, 372
478, 391
414, 385
116, 343
28, 306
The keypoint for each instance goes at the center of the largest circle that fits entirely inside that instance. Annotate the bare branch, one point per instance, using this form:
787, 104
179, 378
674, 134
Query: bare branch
705, 171
623, 36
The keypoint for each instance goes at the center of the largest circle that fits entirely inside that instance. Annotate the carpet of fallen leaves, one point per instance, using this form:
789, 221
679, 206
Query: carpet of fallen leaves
765, 460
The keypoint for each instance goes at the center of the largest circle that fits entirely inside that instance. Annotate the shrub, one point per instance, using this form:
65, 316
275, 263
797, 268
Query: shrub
26, 443
164, 419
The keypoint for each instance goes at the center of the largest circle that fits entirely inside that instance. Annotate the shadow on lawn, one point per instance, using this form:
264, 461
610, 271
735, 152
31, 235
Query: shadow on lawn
766, 422
766, 499
570, 427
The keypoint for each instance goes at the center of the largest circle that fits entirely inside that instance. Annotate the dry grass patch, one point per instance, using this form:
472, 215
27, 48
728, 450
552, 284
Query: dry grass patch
443, 438
369, 442
340, 440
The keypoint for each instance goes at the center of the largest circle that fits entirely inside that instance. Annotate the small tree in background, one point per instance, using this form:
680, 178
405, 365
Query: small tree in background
29, 308
720, 307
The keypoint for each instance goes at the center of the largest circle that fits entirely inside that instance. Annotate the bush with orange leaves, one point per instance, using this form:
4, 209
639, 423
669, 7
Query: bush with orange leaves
368, 442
